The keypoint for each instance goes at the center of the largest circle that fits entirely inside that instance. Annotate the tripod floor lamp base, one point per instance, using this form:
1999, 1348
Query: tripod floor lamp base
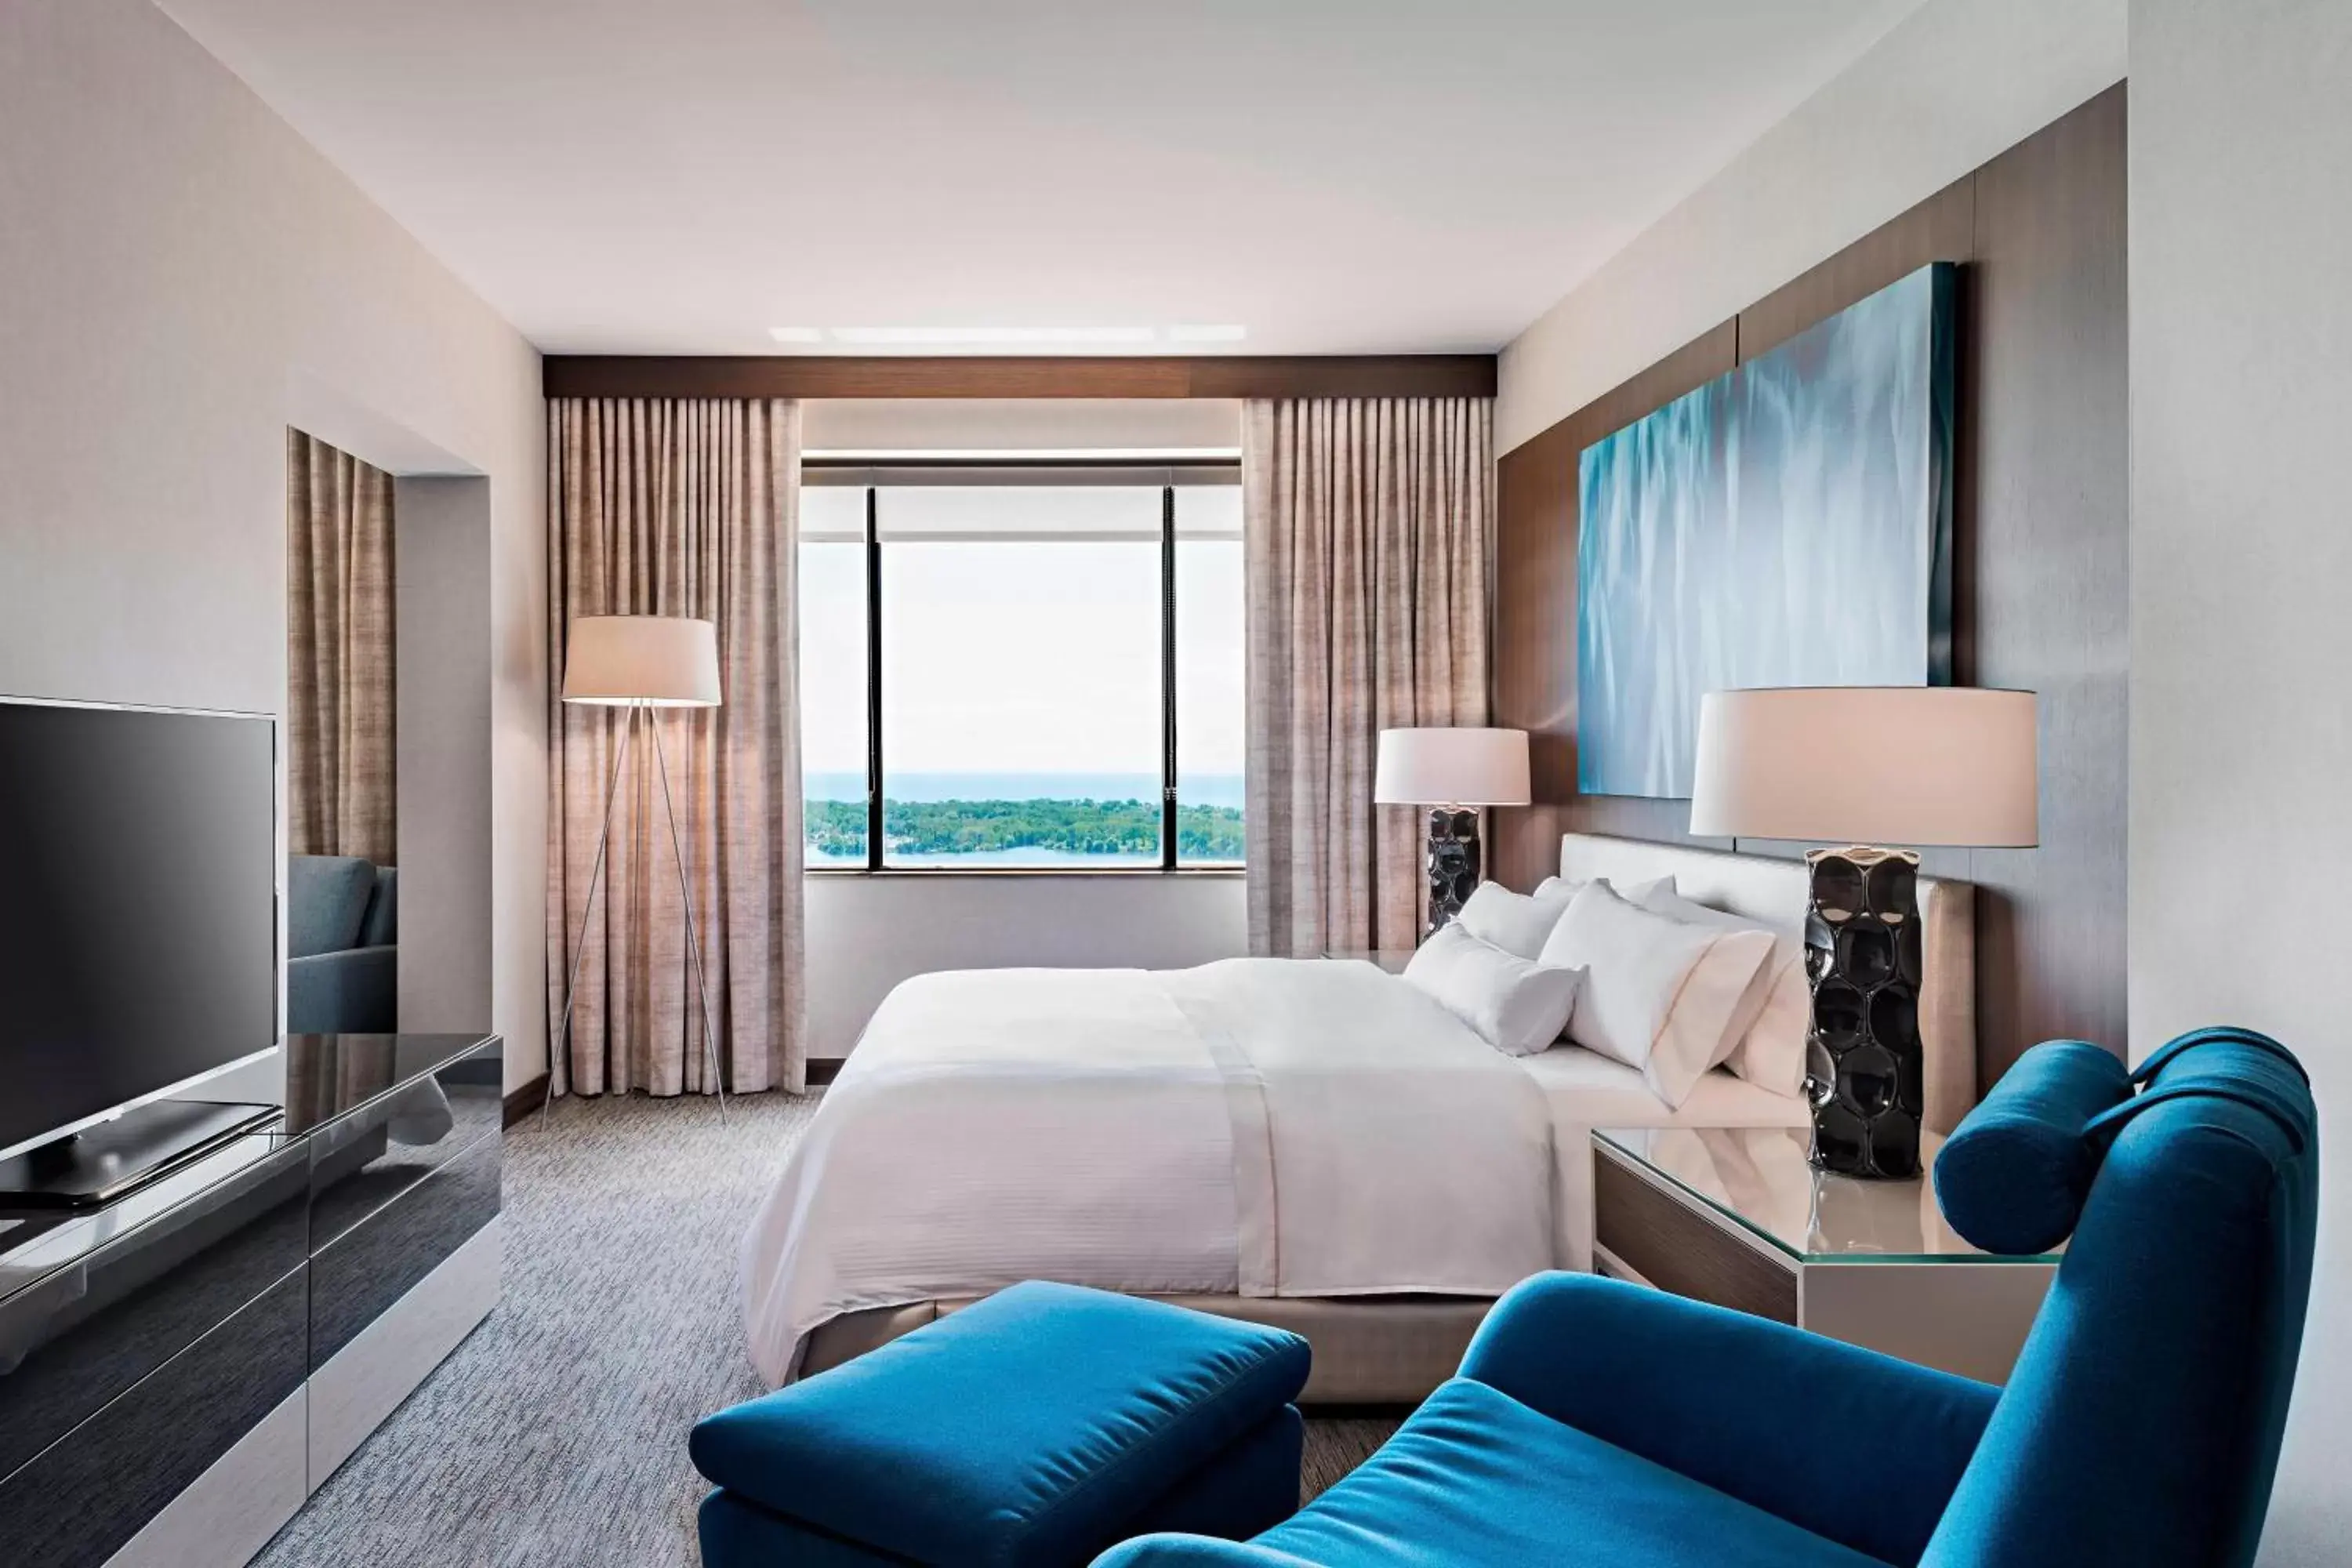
639, 662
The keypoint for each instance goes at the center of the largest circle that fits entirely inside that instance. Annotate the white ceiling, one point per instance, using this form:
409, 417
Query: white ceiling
1339, 177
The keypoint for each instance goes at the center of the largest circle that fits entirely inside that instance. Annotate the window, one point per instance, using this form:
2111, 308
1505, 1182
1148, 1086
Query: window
833, 675
1208, 666
1041, 668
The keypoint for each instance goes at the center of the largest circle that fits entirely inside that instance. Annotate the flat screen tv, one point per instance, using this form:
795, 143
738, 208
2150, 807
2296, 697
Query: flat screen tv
137, 908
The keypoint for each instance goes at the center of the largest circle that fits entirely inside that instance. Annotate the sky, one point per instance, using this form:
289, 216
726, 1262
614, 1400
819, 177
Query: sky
1022, 656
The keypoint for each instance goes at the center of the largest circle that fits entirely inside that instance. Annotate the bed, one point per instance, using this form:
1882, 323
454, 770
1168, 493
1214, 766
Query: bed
1313, 1144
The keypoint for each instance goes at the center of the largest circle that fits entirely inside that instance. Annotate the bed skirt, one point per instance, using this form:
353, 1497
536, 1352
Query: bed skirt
1387, 1350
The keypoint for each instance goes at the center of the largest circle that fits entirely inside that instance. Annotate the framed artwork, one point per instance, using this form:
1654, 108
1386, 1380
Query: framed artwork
1790, 523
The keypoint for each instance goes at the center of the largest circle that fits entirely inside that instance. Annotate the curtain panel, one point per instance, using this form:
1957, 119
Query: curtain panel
1369, 527
679, 507
339, 650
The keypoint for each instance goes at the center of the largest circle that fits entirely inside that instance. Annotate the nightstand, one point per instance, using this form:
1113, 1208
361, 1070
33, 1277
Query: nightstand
1737, 1216
1392, 959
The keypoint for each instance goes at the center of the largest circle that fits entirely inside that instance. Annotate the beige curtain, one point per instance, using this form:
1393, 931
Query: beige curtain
1369, 524
682, 507
339, 654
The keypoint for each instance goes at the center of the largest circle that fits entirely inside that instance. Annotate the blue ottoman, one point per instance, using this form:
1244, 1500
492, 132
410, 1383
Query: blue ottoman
1037, 1428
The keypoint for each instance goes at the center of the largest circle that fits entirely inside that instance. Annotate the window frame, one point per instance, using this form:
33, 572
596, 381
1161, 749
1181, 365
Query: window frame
874, 474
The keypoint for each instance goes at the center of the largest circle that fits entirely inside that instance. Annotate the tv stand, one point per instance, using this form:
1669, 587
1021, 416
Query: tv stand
93, 1167
182, 1367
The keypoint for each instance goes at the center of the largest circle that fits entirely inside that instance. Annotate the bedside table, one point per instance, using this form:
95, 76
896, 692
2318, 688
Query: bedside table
1392, 959
1737, 1216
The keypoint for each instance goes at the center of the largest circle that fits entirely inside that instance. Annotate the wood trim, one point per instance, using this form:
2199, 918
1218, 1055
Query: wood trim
810, 375
526, 1099
1671, 1245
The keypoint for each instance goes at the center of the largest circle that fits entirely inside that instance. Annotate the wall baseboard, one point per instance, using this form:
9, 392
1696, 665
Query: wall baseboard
527, 1099
520, 1102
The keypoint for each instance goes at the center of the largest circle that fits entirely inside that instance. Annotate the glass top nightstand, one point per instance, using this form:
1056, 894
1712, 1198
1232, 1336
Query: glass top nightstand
1758, 1178
1392, 959
1738, 1217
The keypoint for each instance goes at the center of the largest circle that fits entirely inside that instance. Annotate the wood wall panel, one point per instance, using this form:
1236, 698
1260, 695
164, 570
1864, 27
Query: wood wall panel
2039, 589
1017, 375
2049, 426
1940, 228
1535, 617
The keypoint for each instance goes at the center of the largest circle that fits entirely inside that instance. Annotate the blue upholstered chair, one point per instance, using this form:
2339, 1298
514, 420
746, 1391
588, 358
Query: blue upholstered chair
342, 968
1595, 1422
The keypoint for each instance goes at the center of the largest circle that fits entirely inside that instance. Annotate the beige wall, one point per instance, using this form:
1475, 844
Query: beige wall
442, 587
2241, 564
181, 275
867, 934
1956, 83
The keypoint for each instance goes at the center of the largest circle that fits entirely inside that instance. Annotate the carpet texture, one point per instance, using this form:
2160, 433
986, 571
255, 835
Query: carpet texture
556, 1434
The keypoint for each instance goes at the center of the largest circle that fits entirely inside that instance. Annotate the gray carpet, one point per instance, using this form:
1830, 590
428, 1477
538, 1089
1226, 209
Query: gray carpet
556, 1434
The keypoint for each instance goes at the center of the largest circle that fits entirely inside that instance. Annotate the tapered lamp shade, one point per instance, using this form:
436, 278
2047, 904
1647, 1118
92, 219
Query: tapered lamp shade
642, 661
1868, 764
1452, 767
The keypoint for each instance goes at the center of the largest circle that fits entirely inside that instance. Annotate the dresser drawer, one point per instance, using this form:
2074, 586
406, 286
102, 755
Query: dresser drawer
96, 1487
377, 1261
1676, 1247
72, 1343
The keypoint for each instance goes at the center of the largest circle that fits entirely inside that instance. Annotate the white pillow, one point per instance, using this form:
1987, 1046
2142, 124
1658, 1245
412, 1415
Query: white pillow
1515, 923
1518, 923
1658, 994
1778, 1010
1632, 891
1515, 1007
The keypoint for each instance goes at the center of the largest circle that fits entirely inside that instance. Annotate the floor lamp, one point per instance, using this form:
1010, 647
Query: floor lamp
638, 662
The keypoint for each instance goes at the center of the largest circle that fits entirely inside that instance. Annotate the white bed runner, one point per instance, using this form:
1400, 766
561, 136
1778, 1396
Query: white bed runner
1378, 1144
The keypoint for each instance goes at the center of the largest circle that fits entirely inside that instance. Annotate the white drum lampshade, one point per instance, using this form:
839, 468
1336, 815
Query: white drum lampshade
1869, 765
1452, 767
642, 661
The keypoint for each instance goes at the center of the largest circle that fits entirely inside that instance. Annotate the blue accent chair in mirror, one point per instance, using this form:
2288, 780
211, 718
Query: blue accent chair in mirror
342, 953
1597, 1422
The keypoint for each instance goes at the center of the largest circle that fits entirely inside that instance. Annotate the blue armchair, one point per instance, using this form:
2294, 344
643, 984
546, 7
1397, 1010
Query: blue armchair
342, 965
1598, 1422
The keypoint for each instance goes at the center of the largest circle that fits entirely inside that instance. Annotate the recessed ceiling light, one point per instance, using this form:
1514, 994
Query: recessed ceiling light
990, 337
1207, 334
797, 334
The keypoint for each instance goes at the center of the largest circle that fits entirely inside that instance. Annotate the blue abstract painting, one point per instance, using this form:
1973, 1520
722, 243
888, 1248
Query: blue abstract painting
1790, 523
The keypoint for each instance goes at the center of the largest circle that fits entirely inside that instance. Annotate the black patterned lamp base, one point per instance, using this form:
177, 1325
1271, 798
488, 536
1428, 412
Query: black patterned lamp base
1453, 864
1864, 1066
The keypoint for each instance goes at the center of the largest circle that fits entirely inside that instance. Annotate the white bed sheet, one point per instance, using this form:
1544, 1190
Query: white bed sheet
1585, 1090
1259, 1126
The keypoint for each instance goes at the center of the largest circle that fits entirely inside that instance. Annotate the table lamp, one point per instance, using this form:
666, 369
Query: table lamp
1867, 764
638, 662
1454, 772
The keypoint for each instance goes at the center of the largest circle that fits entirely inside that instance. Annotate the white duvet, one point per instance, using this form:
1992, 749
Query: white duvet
1262, 1126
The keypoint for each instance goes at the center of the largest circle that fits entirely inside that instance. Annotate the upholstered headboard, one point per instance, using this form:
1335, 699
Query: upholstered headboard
1772, 892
